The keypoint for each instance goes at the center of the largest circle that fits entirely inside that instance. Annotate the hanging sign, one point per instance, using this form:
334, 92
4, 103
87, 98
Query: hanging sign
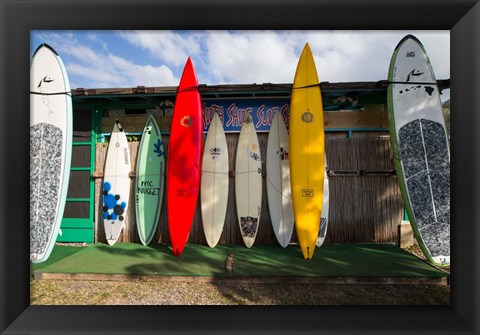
233, 111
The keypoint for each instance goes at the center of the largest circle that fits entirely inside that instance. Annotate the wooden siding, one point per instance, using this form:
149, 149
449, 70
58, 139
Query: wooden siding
363, 208
370, 118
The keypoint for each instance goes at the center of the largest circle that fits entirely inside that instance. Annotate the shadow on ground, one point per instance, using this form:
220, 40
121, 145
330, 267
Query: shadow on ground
285, 265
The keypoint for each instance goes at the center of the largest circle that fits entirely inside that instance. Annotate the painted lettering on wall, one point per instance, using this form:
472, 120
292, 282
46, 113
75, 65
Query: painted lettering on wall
232, 112
236, 115
265, 115
209, 111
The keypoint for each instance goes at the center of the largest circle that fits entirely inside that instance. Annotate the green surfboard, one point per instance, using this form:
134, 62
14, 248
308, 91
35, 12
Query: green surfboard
149, 181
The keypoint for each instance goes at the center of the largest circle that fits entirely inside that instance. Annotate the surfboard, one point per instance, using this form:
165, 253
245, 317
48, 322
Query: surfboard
325, 206
50, 149
149, 180
307, 166
116, 184
214, 182
279, 193
184, 159
248, 181
420, 147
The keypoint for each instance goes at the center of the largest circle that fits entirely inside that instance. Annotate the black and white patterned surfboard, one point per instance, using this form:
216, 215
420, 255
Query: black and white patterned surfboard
420, 146
50, 149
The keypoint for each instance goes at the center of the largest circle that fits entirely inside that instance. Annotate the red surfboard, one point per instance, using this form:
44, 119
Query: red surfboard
184, 159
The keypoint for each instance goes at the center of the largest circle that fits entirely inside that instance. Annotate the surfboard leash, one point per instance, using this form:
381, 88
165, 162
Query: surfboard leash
381, 83
410, 83
56, 93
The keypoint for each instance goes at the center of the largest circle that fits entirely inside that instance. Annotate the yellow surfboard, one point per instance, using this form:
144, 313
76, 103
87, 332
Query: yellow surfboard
307, 152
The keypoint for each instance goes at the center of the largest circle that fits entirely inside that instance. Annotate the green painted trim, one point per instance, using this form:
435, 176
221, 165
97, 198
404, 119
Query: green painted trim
82, 229
115, 105
78, 199
96, 125
72, 223
80, 168
76, 235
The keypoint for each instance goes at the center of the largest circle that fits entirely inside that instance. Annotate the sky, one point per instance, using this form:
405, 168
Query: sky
117, 59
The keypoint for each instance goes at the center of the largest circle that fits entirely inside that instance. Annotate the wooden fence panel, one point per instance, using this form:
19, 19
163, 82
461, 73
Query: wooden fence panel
363, 208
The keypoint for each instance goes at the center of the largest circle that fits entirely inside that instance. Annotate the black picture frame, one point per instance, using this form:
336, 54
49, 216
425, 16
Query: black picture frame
17, 18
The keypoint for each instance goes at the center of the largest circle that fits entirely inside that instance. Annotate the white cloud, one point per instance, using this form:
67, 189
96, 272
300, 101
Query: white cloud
171, 47
344, 56
144, 75
93, 37
272, 56
351, 56
90, 64
156, 58
250, 57
92, 75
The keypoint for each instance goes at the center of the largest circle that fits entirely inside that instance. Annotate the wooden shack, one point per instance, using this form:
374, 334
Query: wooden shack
365, 201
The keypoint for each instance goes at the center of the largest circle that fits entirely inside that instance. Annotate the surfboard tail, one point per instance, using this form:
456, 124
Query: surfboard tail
177, 249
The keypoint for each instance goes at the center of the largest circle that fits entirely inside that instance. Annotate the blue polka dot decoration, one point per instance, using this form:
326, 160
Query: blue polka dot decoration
106, 186
109, 201
112, 210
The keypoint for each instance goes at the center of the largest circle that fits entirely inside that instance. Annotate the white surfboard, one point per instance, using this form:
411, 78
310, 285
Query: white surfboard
214, 182
324, 216
50, 149
248, 181
279, 193
116, 184
420, 147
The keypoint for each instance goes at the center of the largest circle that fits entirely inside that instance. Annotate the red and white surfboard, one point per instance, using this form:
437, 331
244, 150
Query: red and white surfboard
184, 159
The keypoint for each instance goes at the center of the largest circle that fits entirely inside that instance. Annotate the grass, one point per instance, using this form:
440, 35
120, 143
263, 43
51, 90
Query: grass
145, 291
132, 258
340, 260
59, 253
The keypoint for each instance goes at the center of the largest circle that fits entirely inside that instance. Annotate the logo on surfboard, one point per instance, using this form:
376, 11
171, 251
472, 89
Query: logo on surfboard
45, 80
282, 153
158, 148
215, 152
413, 74
308, 192
249, 226
307, 117
186, 121
255, 156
